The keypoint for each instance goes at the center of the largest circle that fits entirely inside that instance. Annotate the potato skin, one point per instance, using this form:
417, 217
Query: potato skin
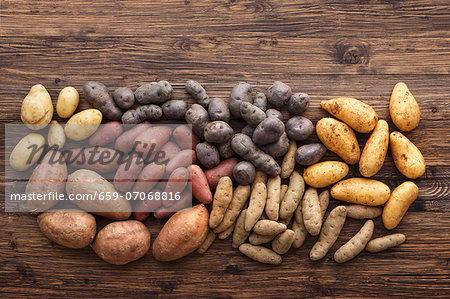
182, 234
385, 242
339, 138
153, 93
252, 114
218, 132
141, 113
67, 103
278, 148
361, 191
56, 136
299, 128
123, 97
363, 212
197, 91
218, 110
356, 244
207, 154
69, 228
122, 242
198, 117
404, 110
260, 254
83, 124
278, 94
293, 196
268, 131
225, 168
274, 113
200, 186
358, 115
310, 154
125, 141
260, 101
174, 109
298, 103
397, 205
244, 173
325, 173
37, 108
407, 157
288, 164
18, 159
106, 134
242, 92
312, 213
374, 152
98, 96
221, 201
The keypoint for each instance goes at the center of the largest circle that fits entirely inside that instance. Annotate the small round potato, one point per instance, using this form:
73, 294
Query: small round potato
242, 92
277, 148
310, 154
299, 128
252, 114
198, 117
83, 124
244, 173
37, 108
298, 103
268, 131
278, 94
27, 151
218, 132
174, 109
124, 97
207, 154
56, 136
274, 113
67, 103
218, 110
323, 174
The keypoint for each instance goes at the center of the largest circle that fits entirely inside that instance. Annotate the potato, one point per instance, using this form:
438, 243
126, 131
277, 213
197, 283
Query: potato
310, 154
69, 228
56, 137
361, 191
98, 96
278, 94
207, 154
37, 108
288, 164
283, 190
339, 138
221, 201
242, 92
138, 115
83, 124
174, 109
122, 242
207, 243
324, 200
274, 113
286, 221
299, 128
49, 176
182, 234
125, 142
248, 130
185, 202
293, 195
356, 244
152, 139
198, 117
184, 158
170, 149
142, 208
252, 114
385, 242
225, 168
197, 91
94, 187
225, 150
330, 232
240, 197
404, 110
298, 103
244, 173
260, 254
278, 148
397, 205
128, 172
268, 131
226, 233
300, 233
363, 212
123, 97
98, 159
239, 233
218, 132
200, 186
260, 177
67, 103
260, 101
175, 184
374, 152
256, 239
273, 197
256, 205
149, 177
106, 133
27, 151
325, 173
312, 214
283, 242
407, 157
153, 93
268, 227
218, 110
358, 115
184, 137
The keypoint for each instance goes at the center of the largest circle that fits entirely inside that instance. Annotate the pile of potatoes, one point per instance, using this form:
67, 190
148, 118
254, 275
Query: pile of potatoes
251, 179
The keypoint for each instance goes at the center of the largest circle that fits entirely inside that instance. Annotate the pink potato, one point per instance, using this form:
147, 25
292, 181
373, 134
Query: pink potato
143, 208
125, 142
100, 159
128, 172
106, 133
225, 168
184, 202
149, 177
152, 139
184, 158
177, 182
185, 138
200, 186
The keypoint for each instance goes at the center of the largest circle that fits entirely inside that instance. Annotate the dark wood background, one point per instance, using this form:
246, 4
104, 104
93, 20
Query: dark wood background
324, 48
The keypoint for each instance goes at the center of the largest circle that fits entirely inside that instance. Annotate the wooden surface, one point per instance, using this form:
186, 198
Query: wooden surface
324, 48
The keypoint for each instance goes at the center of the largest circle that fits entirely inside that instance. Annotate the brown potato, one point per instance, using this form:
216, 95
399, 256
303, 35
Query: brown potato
404, 110
374, 152
397, 205
260, 254
361, 191
325, 173
407, 157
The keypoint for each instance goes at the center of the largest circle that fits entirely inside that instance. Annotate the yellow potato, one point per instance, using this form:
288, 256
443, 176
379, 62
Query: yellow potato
407, 157
339, 138
56, 136
68, 100
83, 124
37, 108
374, 152
358, 115
222, 199
27, 152
361, 191
325, 173
397, 205
404, 110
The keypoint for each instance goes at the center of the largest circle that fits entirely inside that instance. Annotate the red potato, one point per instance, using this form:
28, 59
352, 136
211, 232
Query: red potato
149, 177
184, 202
106, 133
200, 186
125, 142
176, 183
225, 168
143, 208
182, 234
128, 172
100, 159
152, 139
185, 138
171, 149
184, 158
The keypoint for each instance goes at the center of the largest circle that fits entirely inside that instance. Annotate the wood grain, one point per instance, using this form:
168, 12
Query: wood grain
324, 48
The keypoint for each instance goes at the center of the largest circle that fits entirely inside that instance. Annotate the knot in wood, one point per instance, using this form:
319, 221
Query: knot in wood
350, 51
